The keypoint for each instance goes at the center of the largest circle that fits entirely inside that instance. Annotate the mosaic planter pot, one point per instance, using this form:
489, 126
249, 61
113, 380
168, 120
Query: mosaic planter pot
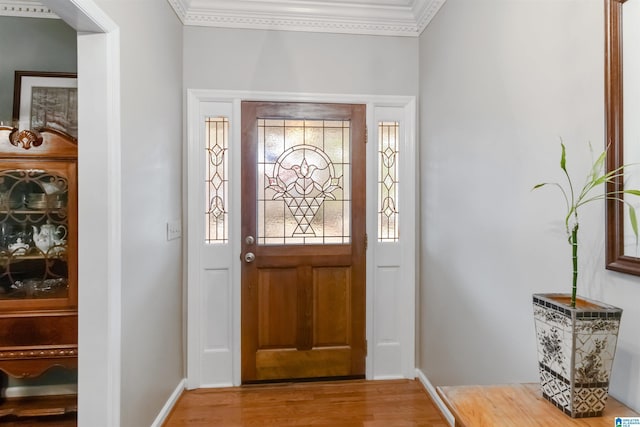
576, 347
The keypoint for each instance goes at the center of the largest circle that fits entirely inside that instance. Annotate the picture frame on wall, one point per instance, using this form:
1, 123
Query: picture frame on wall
46, 99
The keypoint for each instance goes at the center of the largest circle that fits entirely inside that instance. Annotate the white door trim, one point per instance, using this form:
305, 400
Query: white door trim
99, 188
213, 320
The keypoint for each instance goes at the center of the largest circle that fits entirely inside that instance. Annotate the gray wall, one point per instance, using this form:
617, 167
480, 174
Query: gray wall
32, 44
501, 81
151, 159
217, 58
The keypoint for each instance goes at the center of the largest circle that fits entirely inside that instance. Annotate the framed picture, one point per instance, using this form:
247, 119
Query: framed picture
46, 99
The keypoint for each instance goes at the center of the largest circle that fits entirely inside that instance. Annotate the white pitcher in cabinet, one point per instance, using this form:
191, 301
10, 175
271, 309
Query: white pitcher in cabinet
49, 235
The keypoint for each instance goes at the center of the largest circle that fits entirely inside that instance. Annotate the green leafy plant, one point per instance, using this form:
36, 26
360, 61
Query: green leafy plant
574, 200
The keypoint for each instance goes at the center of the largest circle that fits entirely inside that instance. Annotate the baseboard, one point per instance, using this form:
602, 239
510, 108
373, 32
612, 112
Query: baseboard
168, 406
435, 397
390, 377
41, 390
215, 385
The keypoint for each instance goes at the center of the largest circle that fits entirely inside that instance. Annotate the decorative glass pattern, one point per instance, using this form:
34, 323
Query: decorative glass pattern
304, 182
33, 234
216, 180
388, 142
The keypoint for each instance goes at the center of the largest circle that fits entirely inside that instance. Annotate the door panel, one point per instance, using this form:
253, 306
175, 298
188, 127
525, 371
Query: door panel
332, 299
303, 230
277, 307
292, 363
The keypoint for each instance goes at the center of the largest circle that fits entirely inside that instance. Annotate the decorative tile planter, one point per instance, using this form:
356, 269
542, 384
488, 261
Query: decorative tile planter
576, 347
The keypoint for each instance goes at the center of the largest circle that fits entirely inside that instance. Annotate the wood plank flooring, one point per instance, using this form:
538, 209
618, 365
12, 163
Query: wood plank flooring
396, 403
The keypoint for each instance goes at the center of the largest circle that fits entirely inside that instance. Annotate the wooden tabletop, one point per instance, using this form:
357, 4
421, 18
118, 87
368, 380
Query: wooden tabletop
518, 405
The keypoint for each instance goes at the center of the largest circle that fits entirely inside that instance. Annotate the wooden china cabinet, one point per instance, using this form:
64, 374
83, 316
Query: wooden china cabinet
38, 252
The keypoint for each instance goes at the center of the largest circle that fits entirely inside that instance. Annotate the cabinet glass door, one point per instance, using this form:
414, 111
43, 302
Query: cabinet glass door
34, 232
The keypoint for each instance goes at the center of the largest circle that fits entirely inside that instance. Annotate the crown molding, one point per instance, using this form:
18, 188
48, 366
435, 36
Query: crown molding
406, 18
426, 12
26, 8
180, 7
389, 18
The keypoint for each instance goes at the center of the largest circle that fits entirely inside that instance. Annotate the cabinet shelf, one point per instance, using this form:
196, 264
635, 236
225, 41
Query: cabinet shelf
57, 255
27, 211
38, 294
49, 405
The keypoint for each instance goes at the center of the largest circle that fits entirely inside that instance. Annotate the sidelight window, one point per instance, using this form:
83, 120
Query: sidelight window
216, 180
388, 182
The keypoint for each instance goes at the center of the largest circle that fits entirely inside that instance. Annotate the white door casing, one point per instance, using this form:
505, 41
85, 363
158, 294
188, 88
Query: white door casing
213, 271
99, 188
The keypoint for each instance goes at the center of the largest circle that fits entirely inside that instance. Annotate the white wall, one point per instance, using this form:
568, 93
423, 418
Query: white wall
217, 58
151, 133
501, 81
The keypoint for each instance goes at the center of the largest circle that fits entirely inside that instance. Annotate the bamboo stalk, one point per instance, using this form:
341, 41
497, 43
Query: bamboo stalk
574, 249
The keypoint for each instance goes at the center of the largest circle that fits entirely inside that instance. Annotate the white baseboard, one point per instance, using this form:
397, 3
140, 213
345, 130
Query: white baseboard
168, 406
216, 385
390, 377
41, 390
436, 398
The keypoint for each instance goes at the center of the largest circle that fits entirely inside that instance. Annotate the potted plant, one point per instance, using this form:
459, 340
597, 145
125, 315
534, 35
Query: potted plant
577, 336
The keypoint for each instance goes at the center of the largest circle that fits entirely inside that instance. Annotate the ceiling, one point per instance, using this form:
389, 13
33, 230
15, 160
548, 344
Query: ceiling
374, 17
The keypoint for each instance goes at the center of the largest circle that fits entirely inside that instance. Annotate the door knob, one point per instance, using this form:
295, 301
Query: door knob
249, 257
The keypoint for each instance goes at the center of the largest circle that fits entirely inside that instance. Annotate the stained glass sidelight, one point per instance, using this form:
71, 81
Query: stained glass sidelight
216, 180
388, 141
304, 182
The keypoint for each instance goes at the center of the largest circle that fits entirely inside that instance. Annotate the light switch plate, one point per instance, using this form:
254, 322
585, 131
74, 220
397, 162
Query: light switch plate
174, 229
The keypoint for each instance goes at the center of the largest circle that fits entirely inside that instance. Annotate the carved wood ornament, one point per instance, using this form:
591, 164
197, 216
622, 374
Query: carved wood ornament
25, 138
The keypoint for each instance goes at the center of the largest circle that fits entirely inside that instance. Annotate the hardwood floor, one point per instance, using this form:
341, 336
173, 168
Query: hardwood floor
394, 403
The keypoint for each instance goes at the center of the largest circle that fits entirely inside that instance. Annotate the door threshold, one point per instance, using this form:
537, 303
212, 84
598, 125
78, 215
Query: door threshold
289, 381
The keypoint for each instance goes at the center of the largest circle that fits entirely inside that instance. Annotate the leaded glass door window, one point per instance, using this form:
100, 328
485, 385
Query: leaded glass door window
304, 181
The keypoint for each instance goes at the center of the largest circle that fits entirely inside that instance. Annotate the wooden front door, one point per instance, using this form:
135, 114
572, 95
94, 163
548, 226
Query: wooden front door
304, 242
